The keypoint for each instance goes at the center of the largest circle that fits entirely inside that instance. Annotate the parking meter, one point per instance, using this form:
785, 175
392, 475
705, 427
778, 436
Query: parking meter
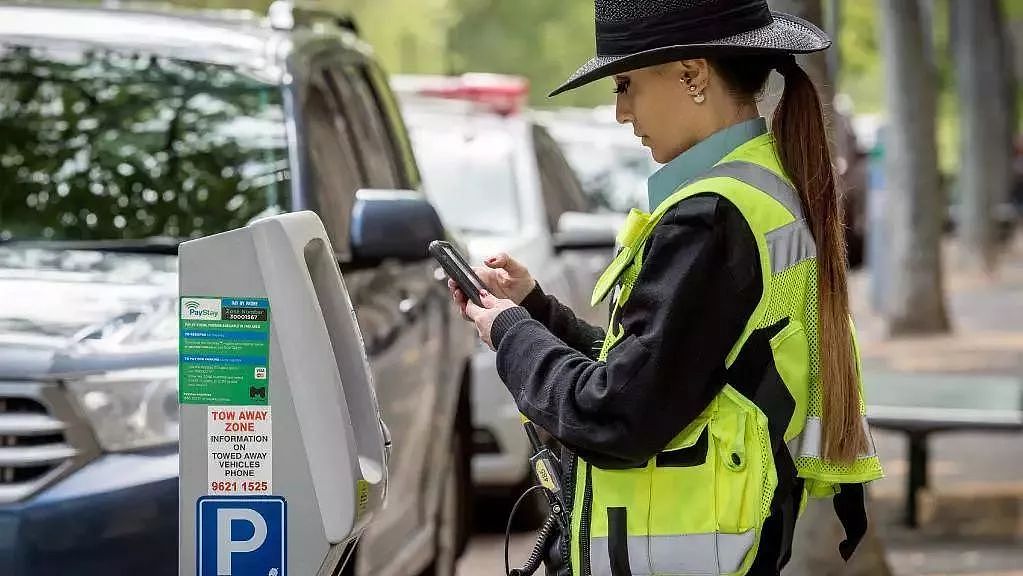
283, 456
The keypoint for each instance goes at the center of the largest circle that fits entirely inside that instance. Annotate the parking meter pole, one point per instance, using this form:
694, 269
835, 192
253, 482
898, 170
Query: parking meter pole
283, 461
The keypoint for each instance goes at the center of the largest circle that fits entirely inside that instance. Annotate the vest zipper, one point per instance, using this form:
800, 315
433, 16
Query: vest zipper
568, 500
584, 524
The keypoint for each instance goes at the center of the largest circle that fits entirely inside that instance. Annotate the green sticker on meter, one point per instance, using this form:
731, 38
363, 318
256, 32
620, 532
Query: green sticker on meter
224, 351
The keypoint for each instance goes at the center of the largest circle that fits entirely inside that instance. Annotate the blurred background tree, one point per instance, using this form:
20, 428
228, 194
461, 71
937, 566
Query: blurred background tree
983, 68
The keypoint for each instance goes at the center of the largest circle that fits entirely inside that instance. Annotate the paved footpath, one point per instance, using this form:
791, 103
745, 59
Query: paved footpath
973, 510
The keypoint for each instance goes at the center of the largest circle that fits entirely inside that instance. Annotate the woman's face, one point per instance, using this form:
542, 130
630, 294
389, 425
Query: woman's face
661, 108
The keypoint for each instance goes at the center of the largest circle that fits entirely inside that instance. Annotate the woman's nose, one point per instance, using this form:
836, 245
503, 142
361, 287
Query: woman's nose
622, 113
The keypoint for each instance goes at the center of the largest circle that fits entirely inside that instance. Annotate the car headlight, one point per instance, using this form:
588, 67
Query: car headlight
130, 409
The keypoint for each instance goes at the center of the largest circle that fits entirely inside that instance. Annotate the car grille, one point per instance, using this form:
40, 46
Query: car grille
41, 438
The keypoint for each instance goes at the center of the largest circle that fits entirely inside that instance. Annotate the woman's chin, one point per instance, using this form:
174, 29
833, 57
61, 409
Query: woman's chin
663, 154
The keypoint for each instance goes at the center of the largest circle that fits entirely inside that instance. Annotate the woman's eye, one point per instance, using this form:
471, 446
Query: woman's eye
621, 87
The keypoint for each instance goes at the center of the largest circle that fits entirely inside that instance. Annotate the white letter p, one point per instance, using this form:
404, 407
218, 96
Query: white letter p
226, 546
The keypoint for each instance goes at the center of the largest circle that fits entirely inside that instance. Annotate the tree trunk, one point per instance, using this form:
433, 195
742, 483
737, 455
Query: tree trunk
815, 546
984, 116
816, 65
833, 26
915, 302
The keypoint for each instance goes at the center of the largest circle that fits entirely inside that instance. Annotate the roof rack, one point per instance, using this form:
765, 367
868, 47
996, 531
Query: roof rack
285, 15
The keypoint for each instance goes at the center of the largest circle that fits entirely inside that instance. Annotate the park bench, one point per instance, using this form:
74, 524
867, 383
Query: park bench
920, 404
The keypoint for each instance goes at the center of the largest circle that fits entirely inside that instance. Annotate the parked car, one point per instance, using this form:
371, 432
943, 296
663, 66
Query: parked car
610, 162
498, 178
126, 132
852, 169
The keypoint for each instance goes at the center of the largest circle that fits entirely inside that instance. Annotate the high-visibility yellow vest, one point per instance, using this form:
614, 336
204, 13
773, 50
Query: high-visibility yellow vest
699, 506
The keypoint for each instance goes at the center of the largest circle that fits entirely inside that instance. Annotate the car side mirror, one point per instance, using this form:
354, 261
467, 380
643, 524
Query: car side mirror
393, 225
587, 231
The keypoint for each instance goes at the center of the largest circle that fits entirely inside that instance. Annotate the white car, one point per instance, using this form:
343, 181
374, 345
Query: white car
498, 178
611, 163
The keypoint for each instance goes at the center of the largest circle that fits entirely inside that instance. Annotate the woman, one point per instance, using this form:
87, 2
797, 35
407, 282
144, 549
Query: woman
726, 387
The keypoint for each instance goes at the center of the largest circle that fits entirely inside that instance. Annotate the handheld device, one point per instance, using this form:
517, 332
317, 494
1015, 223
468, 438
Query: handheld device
458, 270
547, 470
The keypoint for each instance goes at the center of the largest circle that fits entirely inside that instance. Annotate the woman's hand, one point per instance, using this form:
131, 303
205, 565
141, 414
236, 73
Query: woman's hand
506, 278
484, 316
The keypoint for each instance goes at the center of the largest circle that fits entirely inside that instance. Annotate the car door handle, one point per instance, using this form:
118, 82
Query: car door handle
408, 307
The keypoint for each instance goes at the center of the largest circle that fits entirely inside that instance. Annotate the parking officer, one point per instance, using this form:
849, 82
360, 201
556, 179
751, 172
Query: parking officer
727, 387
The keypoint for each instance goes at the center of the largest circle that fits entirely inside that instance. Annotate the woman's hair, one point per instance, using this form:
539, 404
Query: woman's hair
802, 146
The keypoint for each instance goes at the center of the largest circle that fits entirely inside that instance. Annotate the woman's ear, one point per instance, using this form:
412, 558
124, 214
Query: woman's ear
695, 75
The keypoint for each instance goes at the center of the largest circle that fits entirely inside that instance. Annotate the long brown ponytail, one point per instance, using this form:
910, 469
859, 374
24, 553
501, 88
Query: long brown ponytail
798, 127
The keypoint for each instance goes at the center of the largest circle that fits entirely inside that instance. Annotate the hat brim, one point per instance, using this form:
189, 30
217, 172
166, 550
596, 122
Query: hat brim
787, 34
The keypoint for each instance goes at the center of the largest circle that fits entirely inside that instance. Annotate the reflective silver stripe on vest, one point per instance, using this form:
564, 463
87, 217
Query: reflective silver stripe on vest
711, 553
790, 245
812, 440
762, 179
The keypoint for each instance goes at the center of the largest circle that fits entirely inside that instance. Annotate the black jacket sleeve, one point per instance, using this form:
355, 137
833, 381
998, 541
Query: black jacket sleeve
699, 284
563, 323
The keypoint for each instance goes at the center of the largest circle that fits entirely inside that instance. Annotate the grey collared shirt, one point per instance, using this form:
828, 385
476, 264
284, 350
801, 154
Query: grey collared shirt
700, 158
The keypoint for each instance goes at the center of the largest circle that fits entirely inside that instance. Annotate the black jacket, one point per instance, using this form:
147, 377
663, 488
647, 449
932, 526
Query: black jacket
699, 284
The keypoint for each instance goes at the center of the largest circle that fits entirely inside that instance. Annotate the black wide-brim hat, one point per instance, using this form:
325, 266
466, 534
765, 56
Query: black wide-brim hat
633, 34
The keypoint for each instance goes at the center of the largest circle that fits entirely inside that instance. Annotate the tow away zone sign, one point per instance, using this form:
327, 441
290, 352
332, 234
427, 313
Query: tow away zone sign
240, 441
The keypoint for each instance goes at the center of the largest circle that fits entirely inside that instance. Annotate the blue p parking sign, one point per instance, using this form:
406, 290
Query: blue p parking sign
241, 536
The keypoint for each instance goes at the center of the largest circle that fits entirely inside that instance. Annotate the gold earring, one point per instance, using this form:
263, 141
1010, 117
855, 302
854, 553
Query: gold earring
699, 98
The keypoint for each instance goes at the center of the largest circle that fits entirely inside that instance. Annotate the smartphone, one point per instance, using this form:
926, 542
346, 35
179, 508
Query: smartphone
458, 270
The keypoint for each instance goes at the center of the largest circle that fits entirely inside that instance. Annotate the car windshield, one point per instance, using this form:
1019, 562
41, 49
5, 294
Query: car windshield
469, 171
105, 145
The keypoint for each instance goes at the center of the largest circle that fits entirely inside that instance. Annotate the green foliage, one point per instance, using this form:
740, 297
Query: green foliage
543, 40
409, 37
101, 145
858, 43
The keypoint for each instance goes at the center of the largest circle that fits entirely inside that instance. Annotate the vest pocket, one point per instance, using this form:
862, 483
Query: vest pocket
791, 353
745, 479
681, 492
742, 440
685, 457
614, 522
706, 491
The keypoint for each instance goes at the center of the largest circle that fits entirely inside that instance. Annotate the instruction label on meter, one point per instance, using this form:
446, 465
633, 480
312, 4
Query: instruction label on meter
240, 450
224, 351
